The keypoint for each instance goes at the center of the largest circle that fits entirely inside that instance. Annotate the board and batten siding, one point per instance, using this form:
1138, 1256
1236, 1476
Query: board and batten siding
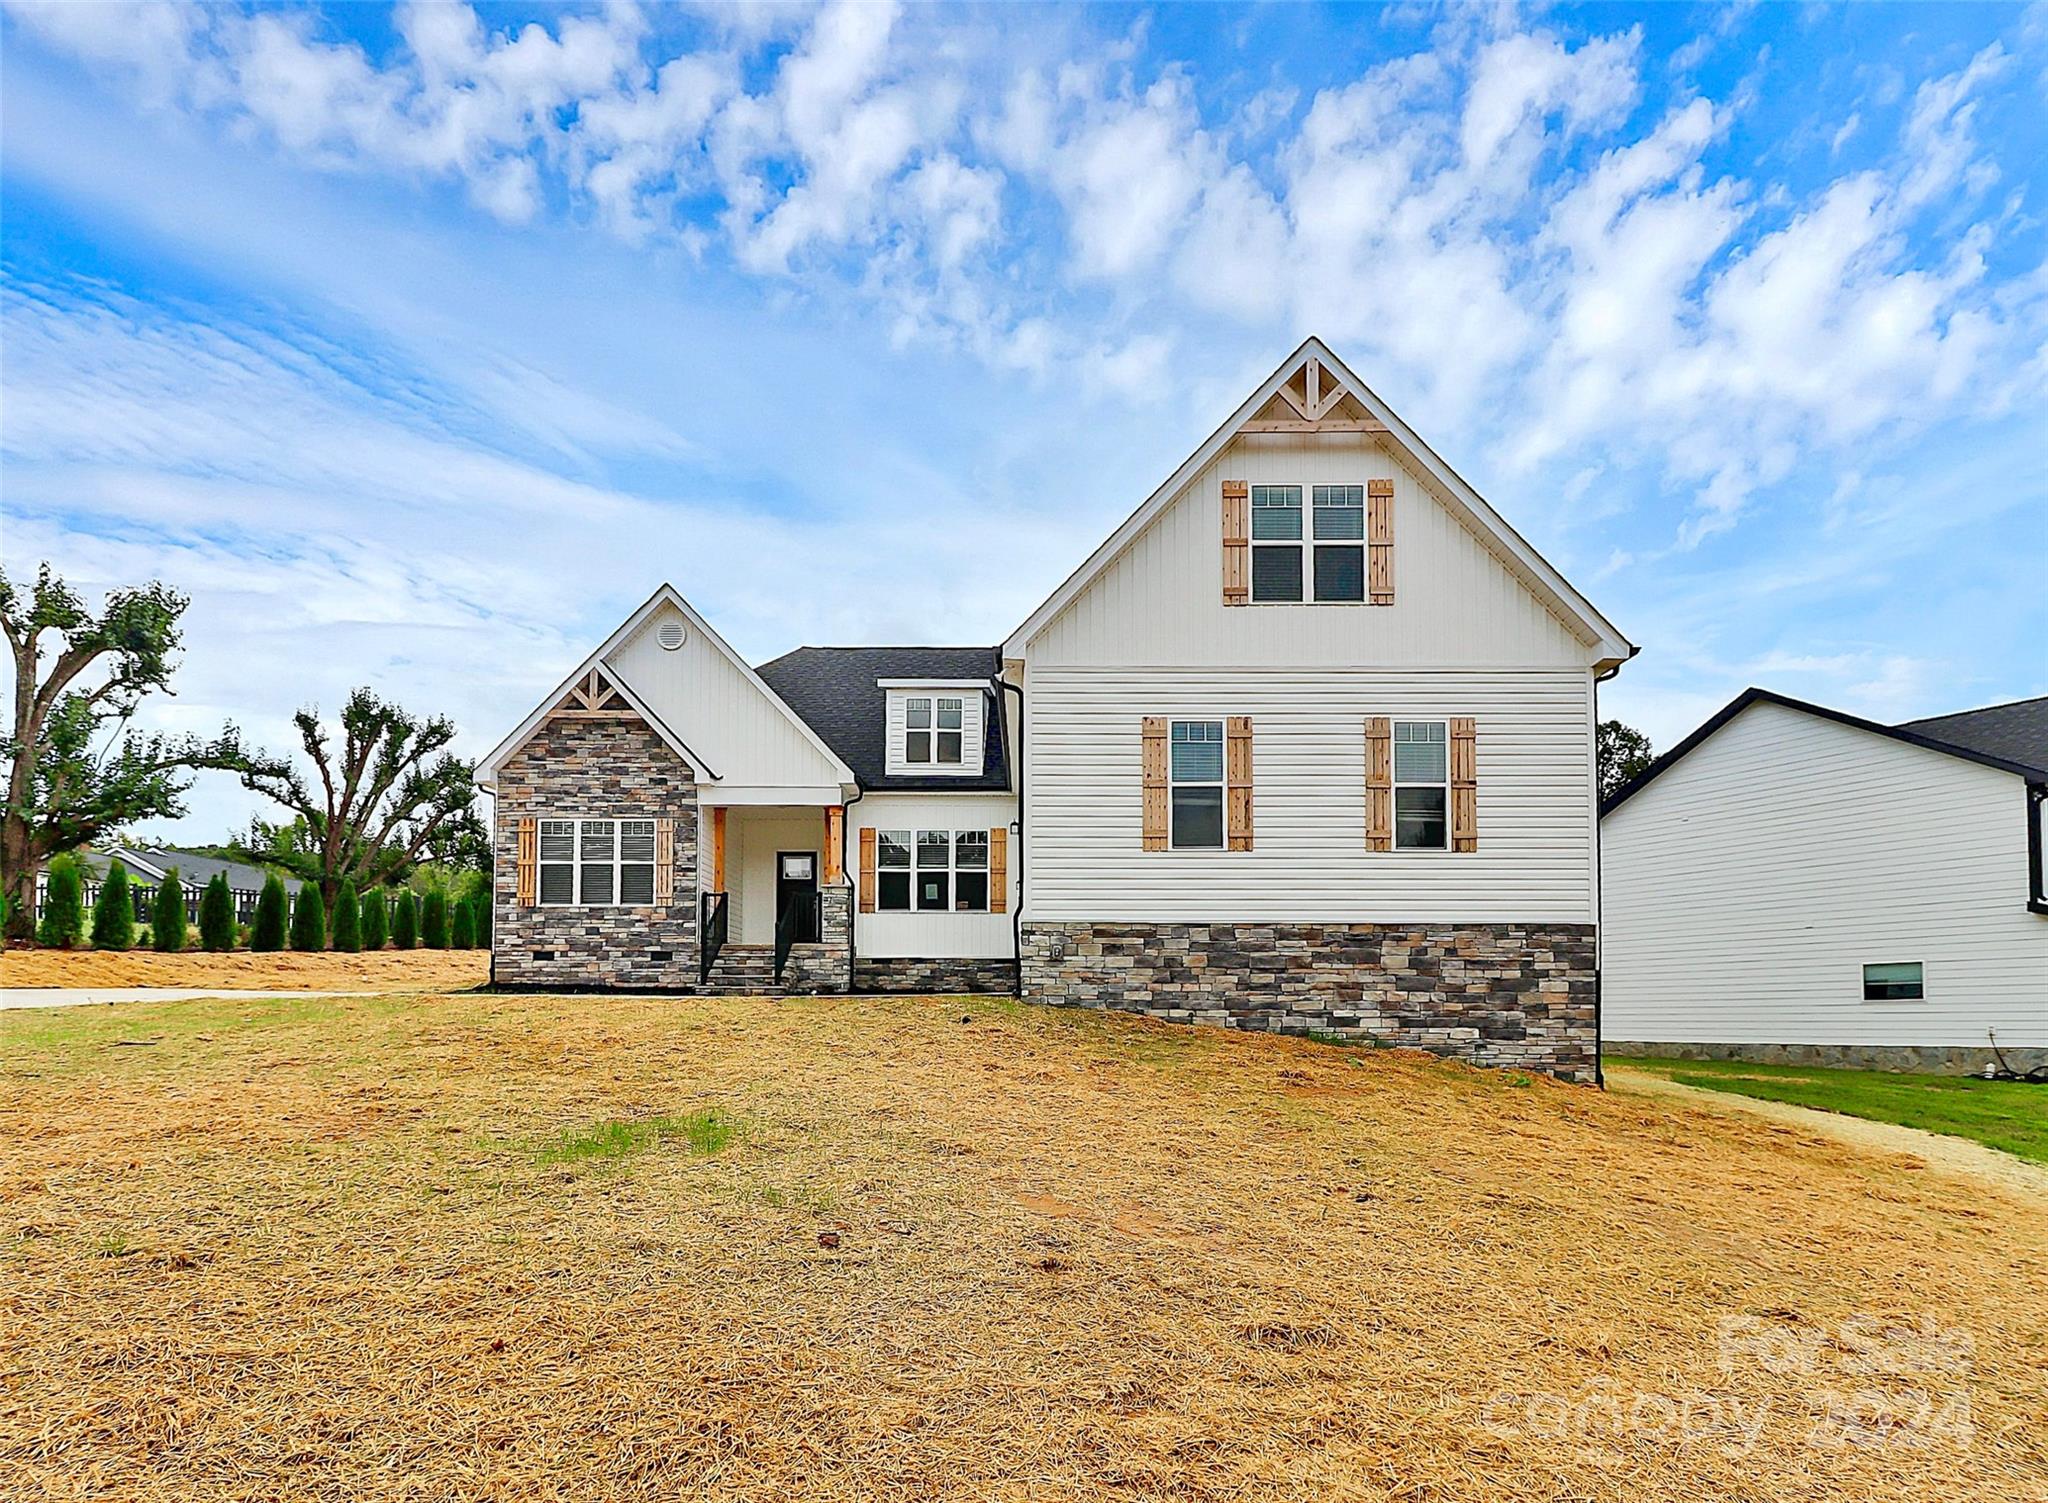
723, 716
1749, 884
1309, 863
932, 936
1160, 601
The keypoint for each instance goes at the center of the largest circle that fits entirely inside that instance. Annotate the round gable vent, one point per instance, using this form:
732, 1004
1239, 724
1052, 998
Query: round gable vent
670, 635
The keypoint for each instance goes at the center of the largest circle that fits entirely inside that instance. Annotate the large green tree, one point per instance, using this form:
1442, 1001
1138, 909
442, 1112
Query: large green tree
75, 771
376, 803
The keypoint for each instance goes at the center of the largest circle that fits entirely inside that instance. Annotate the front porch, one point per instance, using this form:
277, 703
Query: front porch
774, 912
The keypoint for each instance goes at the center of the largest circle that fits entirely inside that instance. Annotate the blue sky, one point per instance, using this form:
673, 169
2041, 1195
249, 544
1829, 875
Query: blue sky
419, 345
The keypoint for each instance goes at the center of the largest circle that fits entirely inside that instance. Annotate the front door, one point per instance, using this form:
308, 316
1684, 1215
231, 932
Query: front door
796, 877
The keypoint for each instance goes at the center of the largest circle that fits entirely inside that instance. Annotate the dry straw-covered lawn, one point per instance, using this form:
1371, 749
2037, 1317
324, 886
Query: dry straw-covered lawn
245, 970
529, 1248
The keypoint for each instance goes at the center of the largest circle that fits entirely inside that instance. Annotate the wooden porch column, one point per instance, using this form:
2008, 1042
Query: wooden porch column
835, 844
718, 848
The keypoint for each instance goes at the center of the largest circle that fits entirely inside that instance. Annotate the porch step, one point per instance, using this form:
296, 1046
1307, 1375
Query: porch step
748, 969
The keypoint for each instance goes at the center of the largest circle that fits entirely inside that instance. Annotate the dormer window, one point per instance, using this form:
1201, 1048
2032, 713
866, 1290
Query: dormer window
921, 738
935, 727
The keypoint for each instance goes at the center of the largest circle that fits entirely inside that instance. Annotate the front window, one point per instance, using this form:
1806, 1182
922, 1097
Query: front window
892, 871
1421, 785
917, 730
931, 871
1897, 981
596, 862
1334, 542
1196, 774
949, 731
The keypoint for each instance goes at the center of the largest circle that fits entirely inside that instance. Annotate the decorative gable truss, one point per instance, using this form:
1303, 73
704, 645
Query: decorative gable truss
1312, 398
592, 697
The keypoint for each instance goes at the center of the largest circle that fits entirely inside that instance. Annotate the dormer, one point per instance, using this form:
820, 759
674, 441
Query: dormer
935, 726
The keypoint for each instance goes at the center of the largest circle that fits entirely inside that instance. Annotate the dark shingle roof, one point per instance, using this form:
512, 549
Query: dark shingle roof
2017, 732
835, 691
194, 870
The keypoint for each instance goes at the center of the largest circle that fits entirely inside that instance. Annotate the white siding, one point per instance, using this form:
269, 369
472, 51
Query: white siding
753, 838
1749, 884
973, 707
1160, 601
712, 705
1309, 862
934, 935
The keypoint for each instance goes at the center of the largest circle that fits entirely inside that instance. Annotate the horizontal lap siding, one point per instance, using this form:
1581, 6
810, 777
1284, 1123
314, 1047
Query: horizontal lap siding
1747, 887
935, 935
1309, 863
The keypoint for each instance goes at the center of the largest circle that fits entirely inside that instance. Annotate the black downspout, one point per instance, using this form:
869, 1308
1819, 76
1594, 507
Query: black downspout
1017, 909
1599, 882
2037, 871
852, 879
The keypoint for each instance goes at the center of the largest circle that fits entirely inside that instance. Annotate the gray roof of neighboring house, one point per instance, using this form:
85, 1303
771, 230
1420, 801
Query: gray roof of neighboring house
153, 861
2016, 732
836, 691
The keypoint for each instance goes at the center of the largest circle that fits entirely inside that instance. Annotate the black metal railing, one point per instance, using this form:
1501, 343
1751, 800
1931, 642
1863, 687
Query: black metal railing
711, 928
799, 921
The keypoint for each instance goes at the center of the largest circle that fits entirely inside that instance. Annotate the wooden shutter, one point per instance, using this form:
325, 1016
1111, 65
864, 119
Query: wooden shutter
1237, 776
1236, 542
999, 870
1379, 783
867, 870
1153, 764
664, 862
1379, 536
1464, 784
528, 850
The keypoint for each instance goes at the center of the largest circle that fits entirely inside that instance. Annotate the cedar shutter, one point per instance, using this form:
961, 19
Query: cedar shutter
528, 849
1379, 783
999, 870
867, 870
1379, 534
664, 862
1153, 767
1236, 542
1464, 784
1237, 776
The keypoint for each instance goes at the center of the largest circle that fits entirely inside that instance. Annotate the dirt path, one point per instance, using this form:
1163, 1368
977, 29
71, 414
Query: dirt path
1939, 1151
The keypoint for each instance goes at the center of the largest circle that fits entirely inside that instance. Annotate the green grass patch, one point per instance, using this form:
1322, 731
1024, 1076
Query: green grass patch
704, 1132
2001, 1114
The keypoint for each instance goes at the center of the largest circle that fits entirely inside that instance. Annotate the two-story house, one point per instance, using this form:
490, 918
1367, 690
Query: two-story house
1306, 744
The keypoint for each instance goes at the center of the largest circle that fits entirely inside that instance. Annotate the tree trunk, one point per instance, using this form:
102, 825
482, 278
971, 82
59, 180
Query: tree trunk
20, 873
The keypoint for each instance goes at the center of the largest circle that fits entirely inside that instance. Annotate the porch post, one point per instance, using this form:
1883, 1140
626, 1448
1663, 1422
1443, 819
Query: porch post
835, 843
718, 848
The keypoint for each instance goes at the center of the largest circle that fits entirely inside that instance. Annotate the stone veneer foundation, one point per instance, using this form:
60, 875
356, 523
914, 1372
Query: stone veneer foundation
597, 769
1921, 1059
1516, 995
937, 976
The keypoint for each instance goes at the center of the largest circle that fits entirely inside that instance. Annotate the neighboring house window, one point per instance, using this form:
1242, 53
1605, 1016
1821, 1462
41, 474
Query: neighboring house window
1195, 773
921, 737
1336, 538
937, 871
596, 862
1421, 785
1895, 982
892, 871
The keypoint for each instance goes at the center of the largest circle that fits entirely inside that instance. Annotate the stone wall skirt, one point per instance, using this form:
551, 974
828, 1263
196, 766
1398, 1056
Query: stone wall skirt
939, 976
1924, 1059
1517, 995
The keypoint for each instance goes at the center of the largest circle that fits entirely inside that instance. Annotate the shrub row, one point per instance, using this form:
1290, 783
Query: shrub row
359, 921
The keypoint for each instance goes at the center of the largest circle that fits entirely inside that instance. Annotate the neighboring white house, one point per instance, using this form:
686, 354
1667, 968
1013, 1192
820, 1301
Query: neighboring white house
1793, 883
1306, 744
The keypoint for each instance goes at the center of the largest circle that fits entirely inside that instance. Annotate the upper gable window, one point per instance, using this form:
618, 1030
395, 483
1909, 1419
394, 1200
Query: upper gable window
1324, 562
935, 730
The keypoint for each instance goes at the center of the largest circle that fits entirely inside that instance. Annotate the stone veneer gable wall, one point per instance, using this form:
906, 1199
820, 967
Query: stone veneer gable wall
1492, 994
611, 768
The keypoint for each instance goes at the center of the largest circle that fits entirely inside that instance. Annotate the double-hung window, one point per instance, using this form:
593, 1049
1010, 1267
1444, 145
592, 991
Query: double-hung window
1195, 775
931, 871
932, 725
1421, 785
596, 862
1335, 541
